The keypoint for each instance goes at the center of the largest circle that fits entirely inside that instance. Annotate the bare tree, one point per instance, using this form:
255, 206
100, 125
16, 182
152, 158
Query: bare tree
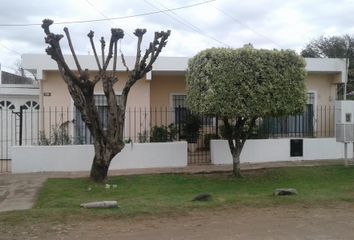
107, 143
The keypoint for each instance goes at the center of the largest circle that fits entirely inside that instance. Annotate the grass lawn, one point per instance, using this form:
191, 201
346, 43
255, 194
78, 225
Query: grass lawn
137, 195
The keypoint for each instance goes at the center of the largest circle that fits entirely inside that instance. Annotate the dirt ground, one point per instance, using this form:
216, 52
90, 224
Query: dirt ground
294, 222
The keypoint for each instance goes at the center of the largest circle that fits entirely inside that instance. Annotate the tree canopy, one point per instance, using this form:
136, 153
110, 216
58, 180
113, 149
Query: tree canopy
241, 85
246, 82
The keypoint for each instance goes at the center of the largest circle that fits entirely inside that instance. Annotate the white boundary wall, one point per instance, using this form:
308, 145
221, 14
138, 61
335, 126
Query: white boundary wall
79, 157
273, 150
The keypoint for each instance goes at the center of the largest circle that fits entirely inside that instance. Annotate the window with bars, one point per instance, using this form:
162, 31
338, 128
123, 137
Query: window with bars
81, 132
180, 109
298, 125
182, 112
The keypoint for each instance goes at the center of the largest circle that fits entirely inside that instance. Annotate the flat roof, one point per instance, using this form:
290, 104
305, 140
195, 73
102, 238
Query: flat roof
42, 62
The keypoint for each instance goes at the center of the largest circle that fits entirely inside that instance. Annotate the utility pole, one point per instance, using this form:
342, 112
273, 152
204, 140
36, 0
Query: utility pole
347, 45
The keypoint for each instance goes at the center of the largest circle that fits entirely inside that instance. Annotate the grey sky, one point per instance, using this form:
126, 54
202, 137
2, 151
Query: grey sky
264, 23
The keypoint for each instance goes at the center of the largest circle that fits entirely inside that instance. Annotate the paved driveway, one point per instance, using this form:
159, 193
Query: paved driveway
18, 191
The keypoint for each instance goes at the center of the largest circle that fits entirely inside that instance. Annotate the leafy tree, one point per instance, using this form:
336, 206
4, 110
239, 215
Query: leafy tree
333, 47
242, 85
107, 143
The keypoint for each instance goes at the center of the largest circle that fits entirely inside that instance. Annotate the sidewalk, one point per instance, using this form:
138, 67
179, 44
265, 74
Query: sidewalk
19, 191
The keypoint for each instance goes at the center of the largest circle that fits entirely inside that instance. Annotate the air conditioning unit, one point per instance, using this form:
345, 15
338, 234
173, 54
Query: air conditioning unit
344, 119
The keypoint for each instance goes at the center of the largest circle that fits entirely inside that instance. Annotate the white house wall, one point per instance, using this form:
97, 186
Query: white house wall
274, 150
158, 155
79, 157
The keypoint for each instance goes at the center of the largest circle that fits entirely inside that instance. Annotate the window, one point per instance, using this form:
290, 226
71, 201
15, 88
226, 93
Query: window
31, 105
82, 134
7, 105
179, 107
182, 112
301, 125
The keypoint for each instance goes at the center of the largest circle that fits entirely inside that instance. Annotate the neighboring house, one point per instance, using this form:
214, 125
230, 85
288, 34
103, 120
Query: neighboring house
16, 91
156, 97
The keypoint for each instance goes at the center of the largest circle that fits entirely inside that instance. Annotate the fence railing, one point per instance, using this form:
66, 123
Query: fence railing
59, 125
314, 122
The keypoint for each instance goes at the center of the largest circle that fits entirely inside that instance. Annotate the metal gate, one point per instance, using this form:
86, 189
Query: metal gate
16, 127
197, 131
9, 126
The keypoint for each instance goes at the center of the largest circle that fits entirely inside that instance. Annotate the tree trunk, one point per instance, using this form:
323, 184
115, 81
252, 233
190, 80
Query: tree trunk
100, 164
99, 169
236, 170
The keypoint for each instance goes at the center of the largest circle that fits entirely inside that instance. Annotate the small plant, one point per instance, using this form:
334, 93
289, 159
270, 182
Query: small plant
58, 136
163, 133
172, 132
159, 134
143, 137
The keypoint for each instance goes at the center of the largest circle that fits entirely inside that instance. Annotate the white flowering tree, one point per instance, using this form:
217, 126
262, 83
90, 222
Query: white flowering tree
242, 85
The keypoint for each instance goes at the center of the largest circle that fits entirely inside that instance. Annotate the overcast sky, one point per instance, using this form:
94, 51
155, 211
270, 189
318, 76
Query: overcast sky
220, 23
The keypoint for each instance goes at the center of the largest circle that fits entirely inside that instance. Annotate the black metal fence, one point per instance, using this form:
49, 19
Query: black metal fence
60, 126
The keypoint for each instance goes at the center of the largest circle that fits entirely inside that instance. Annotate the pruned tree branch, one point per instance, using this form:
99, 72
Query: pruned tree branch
66, 30
124, 62
141, 67
117, 34
103, 45
159, 42
140, 34
115, 58
91, 35
55, 52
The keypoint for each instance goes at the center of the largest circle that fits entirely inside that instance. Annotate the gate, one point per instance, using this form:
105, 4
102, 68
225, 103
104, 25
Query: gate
197, 131
8, 137
16, 128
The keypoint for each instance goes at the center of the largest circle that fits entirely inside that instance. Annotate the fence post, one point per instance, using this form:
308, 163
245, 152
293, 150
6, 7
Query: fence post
21, 126
179, 122
217, 126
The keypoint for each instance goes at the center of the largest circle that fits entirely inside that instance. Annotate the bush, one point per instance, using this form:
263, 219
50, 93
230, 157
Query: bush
59, 136
207, 138
163, 133
191, 128
143, 137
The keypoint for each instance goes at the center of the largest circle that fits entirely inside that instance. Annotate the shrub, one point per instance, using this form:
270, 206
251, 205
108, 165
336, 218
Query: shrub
191, 128
163, 133
207, 138
58, 136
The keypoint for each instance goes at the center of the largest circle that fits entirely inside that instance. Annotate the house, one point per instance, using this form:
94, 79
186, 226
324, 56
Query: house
16, 92
154, 101
164, 87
